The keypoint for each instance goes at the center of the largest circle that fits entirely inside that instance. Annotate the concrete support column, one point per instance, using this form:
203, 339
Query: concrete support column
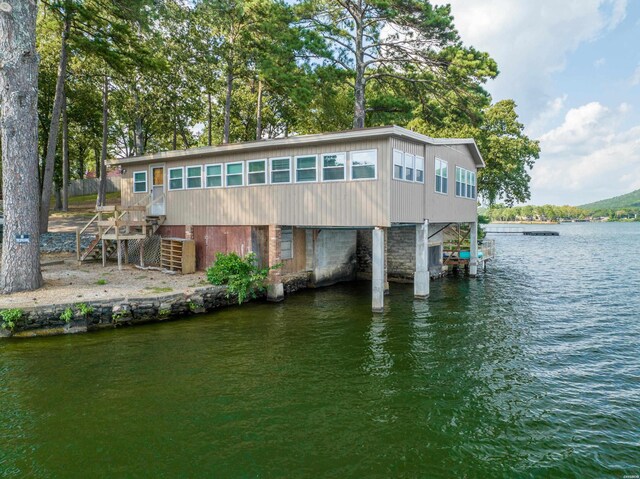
473, 253
275, 288
377, 270
421, 277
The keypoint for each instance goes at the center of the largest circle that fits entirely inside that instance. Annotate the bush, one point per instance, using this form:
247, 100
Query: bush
242, 276
10, 317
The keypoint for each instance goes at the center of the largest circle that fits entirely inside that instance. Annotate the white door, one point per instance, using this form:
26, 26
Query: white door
157, 191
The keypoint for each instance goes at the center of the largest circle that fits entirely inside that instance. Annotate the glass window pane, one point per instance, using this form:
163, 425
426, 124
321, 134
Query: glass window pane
175, 184
175, 173
194, 182
362, 172
444, 170
280, 164
256, 166
337, 159
214, 170
257, 178
445, 185
234, 180
306, 175
397, 172
420, 176
214, 181
280, 176
306, 162
330, 174
234, 168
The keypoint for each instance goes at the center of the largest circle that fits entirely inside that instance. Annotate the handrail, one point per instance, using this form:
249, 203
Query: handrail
95, 217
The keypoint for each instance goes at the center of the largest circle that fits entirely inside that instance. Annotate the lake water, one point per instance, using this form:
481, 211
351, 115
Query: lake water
531, 370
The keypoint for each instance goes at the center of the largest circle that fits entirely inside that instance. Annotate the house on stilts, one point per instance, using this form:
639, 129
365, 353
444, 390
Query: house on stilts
369, 203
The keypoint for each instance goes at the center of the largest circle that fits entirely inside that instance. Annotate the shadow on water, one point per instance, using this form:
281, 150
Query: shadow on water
524, 372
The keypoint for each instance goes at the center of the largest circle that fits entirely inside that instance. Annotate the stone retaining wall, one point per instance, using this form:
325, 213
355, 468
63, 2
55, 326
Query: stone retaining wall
115, 312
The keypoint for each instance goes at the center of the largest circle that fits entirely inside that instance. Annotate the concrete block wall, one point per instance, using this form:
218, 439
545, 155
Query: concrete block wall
333, 254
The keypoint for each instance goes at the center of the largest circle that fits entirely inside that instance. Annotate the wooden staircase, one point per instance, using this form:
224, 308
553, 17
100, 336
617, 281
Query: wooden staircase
114, 227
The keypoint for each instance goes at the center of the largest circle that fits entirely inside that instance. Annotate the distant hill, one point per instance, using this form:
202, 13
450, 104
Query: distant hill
630, 200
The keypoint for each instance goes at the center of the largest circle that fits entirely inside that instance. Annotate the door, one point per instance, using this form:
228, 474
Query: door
158, 197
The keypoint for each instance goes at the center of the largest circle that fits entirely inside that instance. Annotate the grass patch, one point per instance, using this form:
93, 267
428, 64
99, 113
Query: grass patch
101, 282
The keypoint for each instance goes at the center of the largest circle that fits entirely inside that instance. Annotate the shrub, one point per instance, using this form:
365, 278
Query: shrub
242, 276
67, 315
101, 282
84, 310
10, 317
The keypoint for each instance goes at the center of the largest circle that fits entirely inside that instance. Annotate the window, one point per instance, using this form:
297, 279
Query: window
286, 242
176, 178
419, 169
333, 166
213, 175
234, 173
442, 177
408, 166
257, 172
194, 177
280, 170
306, 168
139, 181
398, 165
363, 164
465, 183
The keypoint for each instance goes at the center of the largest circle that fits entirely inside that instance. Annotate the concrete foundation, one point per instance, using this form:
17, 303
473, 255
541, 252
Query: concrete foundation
377, 265
473, 251
331, 256
422, 279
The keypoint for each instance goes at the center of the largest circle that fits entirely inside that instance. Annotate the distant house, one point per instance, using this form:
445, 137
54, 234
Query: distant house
334, 205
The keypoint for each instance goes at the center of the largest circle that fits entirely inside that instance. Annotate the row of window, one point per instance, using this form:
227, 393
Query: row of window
305, 169
465, 183
408, 167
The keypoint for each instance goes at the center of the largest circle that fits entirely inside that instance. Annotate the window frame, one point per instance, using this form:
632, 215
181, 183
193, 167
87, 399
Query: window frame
400, 164
207, 176
375, 164
296, 169
265, 172
187, 177
271, 171
445, 178
413, 167
415, 173
241, 174
146, 181
344, 166
169, 179
467, 183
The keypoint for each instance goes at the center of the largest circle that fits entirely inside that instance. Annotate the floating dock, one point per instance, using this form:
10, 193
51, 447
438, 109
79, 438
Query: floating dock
541, 233
519, 231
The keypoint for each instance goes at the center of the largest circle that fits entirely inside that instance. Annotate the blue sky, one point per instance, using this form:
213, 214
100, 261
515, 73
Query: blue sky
573, 68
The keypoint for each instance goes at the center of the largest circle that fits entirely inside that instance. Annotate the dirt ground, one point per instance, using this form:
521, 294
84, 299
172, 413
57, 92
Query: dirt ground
66, 282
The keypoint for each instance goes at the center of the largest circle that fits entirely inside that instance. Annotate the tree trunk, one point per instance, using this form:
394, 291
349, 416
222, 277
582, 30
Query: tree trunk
57, 192
210, 120
259, 112
20, 269
360, 82
174, 142
227, 107
65, 156
96, 158
80, 167
49, 164
139, 131
102, 185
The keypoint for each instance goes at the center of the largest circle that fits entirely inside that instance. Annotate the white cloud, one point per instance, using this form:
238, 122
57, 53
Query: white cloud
531, 40
553, 109
600, 62
635, 78
587, 157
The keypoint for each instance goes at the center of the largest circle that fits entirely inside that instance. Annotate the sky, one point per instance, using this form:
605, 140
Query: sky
573, 68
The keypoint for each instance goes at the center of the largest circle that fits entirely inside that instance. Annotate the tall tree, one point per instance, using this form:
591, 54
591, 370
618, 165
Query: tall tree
20, 269
411, 40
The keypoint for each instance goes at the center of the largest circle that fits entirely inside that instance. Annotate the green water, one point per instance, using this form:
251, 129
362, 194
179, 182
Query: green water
532, 370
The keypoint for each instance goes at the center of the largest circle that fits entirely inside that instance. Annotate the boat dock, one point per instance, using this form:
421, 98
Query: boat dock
519, 231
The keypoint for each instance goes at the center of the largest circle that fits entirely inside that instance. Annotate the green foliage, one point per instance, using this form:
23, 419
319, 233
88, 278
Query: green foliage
10, 317
101, 282
627, 201
164, 312
535, 213
84, 309
242, 276
67, 315
118, 315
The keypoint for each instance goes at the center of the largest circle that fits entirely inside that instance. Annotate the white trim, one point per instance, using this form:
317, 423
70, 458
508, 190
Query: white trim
266, 172
472, 177
271, 170
221, 165
415, 170
344, 168
146, 182
186, 178
295, 168
413, 167
226, 176
375, 164
393, 164
181, 168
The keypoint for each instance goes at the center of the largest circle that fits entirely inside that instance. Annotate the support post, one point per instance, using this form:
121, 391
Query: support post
377, 273
421, 277
126, 251
473, 253
104, 252
275, 288
142, 253
119, 245
78, 244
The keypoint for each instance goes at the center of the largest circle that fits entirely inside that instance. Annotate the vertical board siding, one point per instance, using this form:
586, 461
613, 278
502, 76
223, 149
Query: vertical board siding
414, 202
340, 203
